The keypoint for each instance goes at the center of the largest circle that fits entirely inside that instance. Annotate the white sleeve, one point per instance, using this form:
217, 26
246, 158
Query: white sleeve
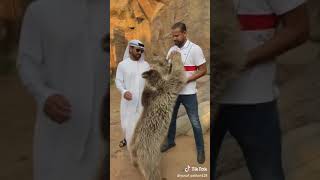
169, 52
30, 63
283, 6
173, 48
120, 80
198, 56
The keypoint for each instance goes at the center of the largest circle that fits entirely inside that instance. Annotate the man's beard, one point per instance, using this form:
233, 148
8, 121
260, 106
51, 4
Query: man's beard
178, 43
136, 57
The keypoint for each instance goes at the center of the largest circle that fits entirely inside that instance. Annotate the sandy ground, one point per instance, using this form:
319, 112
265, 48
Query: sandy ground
301, 157
17, 111
173, 163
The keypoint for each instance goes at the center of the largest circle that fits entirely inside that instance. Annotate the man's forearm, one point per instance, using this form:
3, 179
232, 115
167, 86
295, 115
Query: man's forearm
197, 75
280, 43
294, 33
120, 86
33, 79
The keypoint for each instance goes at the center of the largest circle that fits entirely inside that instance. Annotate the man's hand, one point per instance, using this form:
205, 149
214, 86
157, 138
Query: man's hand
127, 95
172, 54
58, 108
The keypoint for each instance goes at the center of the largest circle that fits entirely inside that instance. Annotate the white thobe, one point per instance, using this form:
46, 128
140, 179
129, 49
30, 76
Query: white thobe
129, 78
60, 52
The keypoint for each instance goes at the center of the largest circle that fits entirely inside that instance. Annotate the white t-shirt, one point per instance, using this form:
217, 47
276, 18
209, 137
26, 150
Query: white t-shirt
258, 20
192, 57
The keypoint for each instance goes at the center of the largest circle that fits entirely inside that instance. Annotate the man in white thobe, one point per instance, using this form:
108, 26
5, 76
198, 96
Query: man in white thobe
130, 84
62, 64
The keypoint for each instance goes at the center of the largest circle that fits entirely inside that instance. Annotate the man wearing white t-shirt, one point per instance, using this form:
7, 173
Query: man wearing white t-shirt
195, 67
249, 105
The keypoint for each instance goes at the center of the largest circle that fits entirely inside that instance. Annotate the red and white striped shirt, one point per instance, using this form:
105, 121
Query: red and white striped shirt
258, 20
192, 57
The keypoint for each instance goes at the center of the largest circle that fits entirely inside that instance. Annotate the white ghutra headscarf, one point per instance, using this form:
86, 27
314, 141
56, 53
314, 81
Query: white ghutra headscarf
134, 43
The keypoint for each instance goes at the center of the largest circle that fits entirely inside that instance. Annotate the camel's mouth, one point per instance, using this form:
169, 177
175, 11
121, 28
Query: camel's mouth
144, 75
147, 74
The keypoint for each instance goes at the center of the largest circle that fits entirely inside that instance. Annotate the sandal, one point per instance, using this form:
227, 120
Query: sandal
123, 143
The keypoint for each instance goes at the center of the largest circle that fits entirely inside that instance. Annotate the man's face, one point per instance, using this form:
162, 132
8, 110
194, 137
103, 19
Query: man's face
179, 37
136, 52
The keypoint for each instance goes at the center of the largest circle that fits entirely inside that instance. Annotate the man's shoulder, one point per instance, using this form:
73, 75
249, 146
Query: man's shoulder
40, 5
40, 8
34, 7
195, 47
123, 62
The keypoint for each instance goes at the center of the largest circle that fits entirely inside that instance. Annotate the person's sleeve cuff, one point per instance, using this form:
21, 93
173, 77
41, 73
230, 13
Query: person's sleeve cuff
41, 98
123, 92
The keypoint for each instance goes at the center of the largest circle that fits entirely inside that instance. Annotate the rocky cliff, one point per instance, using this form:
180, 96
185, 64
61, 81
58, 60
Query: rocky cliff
150, 21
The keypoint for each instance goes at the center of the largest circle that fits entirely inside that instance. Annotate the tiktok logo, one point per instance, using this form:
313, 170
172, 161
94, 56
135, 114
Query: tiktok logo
187, 169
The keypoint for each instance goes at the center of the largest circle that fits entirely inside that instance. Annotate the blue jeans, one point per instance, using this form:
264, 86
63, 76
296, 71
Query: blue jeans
256, 129
190, 103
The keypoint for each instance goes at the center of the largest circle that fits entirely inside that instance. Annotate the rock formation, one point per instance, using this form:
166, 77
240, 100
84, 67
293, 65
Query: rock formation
151, 21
